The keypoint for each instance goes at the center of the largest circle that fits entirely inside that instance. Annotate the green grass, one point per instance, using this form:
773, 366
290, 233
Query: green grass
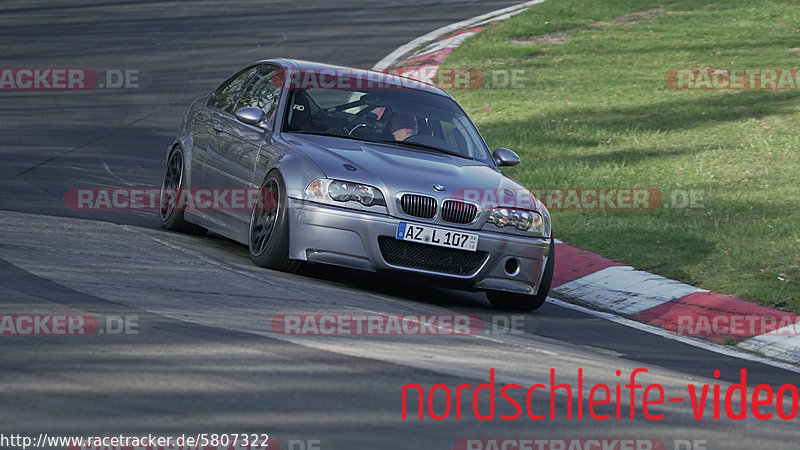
595, 112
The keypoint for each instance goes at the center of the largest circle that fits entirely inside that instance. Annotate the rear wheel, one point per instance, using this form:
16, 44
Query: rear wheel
268, 238
522, 302
171, 208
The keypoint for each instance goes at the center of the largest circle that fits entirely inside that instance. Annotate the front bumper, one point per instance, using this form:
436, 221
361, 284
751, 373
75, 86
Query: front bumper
340, 236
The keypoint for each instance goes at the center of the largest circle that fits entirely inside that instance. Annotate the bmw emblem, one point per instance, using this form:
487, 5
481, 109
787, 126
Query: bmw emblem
438, 187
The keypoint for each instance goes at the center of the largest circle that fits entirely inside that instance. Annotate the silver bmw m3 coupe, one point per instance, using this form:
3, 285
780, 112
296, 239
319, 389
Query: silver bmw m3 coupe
312, 163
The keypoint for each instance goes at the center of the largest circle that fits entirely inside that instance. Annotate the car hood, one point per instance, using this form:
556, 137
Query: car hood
396, 169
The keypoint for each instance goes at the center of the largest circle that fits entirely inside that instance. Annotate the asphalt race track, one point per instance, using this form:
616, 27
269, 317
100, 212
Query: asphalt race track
203, 359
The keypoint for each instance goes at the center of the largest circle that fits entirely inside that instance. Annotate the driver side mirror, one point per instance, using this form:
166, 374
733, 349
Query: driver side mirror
504, 157
251, 116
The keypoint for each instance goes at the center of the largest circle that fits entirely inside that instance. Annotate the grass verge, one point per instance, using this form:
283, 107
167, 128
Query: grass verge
591, 109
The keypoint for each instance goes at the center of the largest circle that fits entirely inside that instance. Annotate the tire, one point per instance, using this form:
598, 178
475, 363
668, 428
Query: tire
170, 211
521, 302
268, 233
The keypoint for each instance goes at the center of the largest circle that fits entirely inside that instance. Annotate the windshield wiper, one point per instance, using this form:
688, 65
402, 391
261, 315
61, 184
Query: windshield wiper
425, 147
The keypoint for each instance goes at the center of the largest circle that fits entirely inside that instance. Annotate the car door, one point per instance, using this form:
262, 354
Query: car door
217, 171
242, 146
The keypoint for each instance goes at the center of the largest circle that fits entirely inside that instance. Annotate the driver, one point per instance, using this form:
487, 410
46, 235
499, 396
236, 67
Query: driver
403, 126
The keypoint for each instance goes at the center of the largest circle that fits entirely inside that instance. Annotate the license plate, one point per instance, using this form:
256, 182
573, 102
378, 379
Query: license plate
437, 236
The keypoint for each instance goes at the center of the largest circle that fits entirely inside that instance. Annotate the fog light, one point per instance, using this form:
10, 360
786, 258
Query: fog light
512, 266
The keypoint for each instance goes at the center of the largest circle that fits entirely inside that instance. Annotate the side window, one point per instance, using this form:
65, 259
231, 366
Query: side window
225, 96
261, 92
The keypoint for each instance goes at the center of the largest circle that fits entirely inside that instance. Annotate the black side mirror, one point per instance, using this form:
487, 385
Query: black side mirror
504, 157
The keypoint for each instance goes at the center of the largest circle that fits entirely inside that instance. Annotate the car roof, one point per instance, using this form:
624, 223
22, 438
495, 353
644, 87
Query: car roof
399, 80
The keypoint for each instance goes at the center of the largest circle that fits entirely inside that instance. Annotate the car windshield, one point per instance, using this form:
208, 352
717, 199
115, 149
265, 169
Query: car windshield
409, 118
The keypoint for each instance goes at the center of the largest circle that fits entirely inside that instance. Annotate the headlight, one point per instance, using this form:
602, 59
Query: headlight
521, 219
345, 191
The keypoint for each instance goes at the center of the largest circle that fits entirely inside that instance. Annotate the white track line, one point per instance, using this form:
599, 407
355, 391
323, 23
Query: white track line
783, 343
625, 290
401, 51
703, 344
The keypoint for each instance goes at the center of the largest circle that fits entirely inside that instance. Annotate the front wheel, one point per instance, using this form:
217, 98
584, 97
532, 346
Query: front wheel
521, 302
268, 238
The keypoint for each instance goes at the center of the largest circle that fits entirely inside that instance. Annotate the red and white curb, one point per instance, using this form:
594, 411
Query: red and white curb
423, 65
615, 290
436, 45
674, 306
